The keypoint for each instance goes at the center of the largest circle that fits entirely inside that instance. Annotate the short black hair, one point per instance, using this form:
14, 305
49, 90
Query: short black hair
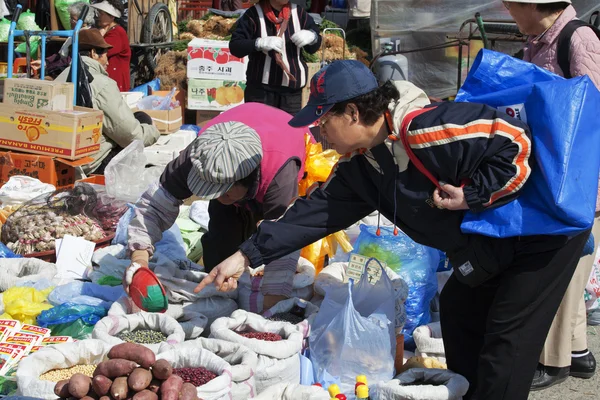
372, 105
552, 8
88, 52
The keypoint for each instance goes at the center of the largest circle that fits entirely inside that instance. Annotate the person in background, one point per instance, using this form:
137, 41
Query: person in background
493, 329
241, 164
231, 5
565, 352
120, 126
119, 56
276, 71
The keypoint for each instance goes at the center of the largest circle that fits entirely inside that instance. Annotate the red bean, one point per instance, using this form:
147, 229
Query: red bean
266, 336
196, 376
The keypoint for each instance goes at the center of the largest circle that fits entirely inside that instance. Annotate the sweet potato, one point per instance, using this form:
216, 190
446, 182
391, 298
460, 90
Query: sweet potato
115, 368
133, 352
119, 389
105, 398
79, 385
101, 385
61, 389
154, 386
162, 370
145, 395
169, 390
139, 379
188, 392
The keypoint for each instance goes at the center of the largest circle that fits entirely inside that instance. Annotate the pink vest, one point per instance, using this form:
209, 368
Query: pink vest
280, 142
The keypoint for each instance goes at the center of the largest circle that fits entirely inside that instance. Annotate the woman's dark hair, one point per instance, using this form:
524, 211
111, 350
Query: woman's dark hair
552, 8
88, 52
372, 105
248, 181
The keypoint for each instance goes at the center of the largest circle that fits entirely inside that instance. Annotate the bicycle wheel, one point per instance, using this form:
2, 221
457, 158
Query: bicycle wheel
158, 28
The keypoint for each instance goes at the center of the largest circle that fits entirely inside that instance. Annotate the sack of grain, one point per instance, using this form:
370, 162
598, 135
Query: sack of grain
422, 384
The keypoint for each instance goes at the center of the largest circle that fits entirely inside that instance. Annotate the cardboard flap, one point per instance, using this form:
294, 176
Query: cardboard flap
76, 163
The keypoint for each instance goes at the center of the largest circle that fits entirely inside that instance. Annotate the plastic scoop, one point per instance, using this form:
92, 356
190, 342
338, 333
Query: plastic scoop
147, 292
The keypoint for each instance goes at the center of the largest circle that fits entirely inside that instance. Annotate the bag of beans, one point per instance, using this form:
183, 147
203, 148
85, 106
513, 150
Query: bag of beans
250, 297
180, 284
210, 374
150, 329
277, 345
292, 391
54, 363
295, 311
192, 323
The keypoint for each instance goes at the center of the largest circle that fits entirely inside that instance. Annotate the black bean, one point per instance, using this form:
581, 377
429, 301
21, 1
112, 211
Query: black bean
286, 317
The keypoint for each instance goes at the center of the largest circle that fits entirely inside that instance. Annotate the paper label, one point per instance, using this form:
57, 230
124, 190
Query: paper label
56, 340
35, 330
356, 268
515, 111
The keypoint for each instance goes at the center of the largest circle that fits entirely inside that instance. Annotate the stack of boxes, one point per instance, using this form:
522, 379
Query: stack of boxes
216, 78
46, 136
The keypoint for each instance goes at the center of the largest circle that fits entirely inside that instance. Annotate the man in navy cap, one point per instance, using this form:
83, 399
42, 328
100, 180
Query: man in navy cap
421, 166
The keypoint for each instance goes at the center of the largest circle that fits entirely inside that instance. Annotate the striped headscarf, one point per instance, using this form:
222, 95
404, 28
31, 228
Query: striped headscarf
223, 154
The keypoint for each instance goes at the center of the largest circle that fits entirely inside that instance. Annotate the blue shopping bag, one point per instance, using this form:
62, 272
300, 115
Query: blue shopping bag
560, 195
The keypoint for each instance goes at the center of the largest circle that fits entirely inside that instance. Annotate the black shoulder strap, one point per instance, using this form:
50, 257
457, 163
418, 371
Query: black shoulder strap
564, 44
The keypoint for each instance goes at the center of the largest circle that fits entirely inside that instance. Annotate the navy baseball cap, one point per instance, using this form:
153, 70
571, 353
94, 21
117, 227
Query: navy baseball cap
339, 81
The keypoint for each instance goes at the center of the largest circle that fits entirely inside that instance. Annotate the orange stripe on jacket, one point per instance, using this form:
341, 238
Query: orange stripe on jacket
452, 133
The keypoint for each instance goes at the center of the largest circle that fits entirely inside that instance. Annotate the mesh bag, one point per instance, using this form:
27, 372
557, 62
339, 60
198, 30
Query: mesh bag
35, 226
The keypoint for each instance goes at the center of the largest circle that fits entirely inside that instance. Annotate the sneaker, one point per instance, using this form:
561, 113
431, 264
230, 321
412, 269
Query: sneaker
546, 377
583, 367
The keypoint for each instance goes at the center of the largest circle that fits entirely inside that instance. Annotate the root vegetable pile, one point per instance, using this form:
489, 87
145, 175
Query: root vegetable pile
142, 336
131, 372
57, 375
266, 336
196, 376
286, 317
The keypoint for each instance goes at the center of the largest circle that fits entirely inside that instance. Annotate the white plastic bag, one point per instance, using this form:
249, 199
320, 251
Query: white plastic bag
126, 174
56, 357
218, 388
250, 297
278, 362
292, 391
108, 327
20, 189
16, 271
428, 339
422, 384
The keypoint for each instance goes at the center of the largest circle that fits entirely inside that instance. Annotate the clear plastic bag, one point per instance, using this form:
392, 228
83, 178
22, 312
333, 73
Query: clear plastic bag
4, 28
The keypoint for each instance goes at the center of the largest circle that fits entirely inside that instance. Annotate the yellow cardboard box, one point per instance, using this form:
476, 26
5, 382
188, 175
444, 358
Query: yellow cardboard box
67, 134
38, 94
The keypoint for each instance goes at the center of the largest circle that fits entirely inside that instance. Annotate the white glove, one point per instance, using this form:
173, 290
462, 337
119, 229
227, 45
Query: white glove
304, 38
129, 272
270, 43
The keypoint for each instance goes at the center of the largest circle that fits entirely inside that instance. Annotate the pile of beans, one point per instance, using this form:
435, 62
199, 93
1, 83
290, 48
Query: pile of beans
266, 336
142, 336
131, 372
196, 376
286, 317
59, 374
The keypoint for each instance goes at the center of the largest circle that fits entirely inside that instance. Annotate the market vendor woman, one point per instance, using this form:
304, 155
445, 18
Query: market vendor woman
276, 72
493, 329
247, 162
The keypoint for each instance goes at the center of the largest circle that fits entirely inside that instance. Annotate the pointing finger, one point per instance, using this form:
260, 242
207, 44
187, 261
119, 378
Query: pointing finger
208, 279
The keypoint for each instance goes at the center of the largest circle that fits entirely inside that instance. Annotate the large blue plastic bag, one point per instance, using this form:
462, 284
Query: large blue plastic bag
416, 264
344, 344
86, 293
560, 195
171, 244
69, 319
5, 252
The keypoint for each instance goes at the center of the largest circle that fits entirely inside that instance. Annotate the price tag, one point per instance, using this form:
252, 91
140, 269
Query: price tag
356, 268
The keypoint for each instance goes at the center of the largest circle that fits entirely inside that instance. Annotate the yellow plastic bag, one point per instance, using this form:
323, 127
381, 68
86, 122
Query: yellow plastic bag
25, 303
316, 252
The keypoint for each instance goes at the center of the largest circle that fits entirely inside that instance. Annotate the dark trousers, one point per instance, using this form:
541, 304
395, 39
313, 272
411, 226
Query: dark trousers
228, 228
494, 333
290, 102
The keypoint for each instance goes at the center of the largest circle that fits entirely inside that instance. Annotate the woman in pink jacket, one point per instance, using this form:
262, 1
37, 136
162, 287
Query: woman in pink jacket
565, 352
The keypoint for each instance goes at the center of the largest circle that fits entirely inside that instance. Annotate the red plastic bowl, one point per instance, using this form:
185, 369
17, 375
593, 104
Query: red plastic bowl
147, 292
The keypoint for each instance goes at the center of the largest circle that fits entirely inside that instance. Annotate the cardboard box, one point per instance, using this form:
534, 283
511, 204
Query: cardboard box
38, 94
211, 59
313, 68
55, 171
207, 94
166, 121
202, 117
66, 134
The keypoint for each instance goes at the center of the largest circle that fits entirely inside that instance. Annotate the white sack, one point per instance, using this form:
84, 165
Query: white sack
18, 270
108, 327
20, 189
66, 355
286, 305
293, 391
429, 342
216, 389
422, 384
250, 297
278, 362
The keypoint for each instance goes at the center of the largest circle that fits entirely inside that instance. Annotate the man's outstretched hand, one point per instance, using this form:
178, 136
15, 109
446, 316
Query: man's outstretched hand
226, 274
